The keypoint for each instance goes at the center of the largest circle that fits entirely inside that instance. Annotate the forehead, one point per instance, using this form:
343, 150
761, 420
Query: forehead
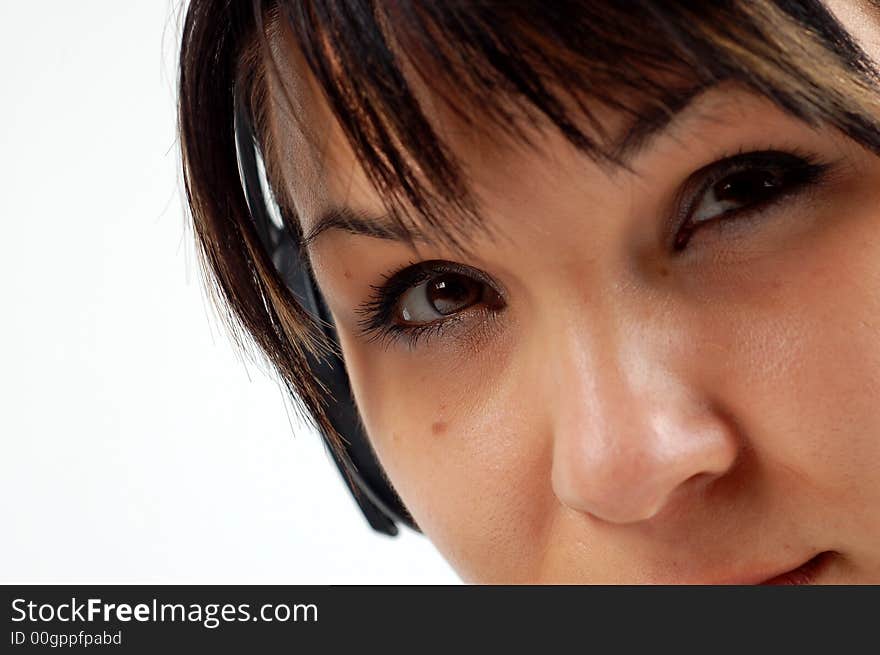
318, 166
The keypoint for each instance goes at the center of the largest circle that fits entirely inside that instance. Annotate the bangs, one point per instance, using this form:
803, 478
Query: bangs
506, 68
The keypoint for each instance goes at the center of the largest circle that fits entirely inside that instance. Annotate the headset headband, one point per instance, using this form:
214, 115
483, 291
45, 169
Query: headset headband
358, 465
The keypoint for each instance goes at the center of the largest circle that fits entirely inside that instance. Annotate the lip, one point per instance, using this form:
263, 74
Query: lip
805, 574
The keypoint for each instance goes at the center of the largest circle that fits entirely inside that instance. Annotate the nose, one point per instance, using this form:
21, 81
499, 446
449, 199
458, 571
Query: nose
629, 434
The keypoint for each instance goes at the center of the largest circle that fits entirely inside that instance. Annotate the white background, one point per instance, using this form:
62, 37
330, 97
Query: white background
137, 447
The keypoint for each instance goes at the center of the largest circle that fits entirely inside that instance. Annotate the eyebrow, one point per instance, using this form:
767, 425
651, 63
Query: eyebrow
635, 139
651, 124
361, 223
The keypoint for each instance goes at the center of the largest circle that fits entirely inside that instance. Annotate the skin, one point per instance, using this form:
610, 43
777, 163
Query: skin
632, 415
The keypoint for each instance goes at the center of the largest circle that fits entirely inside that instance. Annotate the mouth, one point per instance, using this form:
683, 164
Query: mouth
805, 574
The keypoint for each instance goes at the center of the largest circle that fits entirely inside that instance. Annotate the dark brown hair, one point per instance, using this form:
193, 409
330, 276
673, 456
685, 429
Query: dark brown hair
550, 61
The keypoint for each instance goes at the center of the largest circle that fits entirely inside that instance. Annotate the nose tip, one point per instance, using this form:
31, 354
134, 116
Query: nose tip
632, 472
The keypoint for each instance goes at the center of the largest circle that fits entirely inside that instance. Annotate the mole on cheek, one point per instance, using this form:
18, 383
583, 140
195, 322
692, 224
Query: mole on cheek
347, 273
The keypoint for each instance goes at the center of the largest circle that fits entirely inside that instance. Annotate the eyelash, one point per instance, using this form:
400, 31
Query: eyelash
377, 322
799, 170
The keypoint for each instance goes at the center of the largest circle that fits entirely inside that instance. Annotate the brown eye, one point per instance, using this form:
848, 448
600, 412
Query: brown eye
439, 296
739, 189
747, 186
744, 184
451, 293
419, 302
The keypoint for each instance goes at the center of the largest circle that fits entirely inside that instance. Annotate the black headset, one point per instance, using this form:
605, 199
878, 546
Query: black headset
358, 465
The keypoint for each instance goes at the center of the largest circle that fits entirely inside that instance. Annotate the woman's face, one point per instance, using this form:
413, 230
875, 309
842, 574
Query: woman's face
659, 376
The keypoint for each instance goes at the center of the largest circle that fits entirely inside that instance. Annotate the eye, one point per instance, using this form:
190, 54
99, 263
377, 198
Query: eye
420, 300
744, 183
439, 297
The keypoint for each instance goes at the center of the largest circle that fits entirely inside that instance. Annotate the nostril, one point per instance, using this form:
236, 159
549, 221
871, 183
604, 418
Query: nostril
698, 480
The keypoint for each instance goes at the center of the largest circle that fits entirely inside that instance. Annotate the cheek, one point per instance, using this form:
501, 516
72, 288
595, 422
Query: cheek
464, 453
803, 378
